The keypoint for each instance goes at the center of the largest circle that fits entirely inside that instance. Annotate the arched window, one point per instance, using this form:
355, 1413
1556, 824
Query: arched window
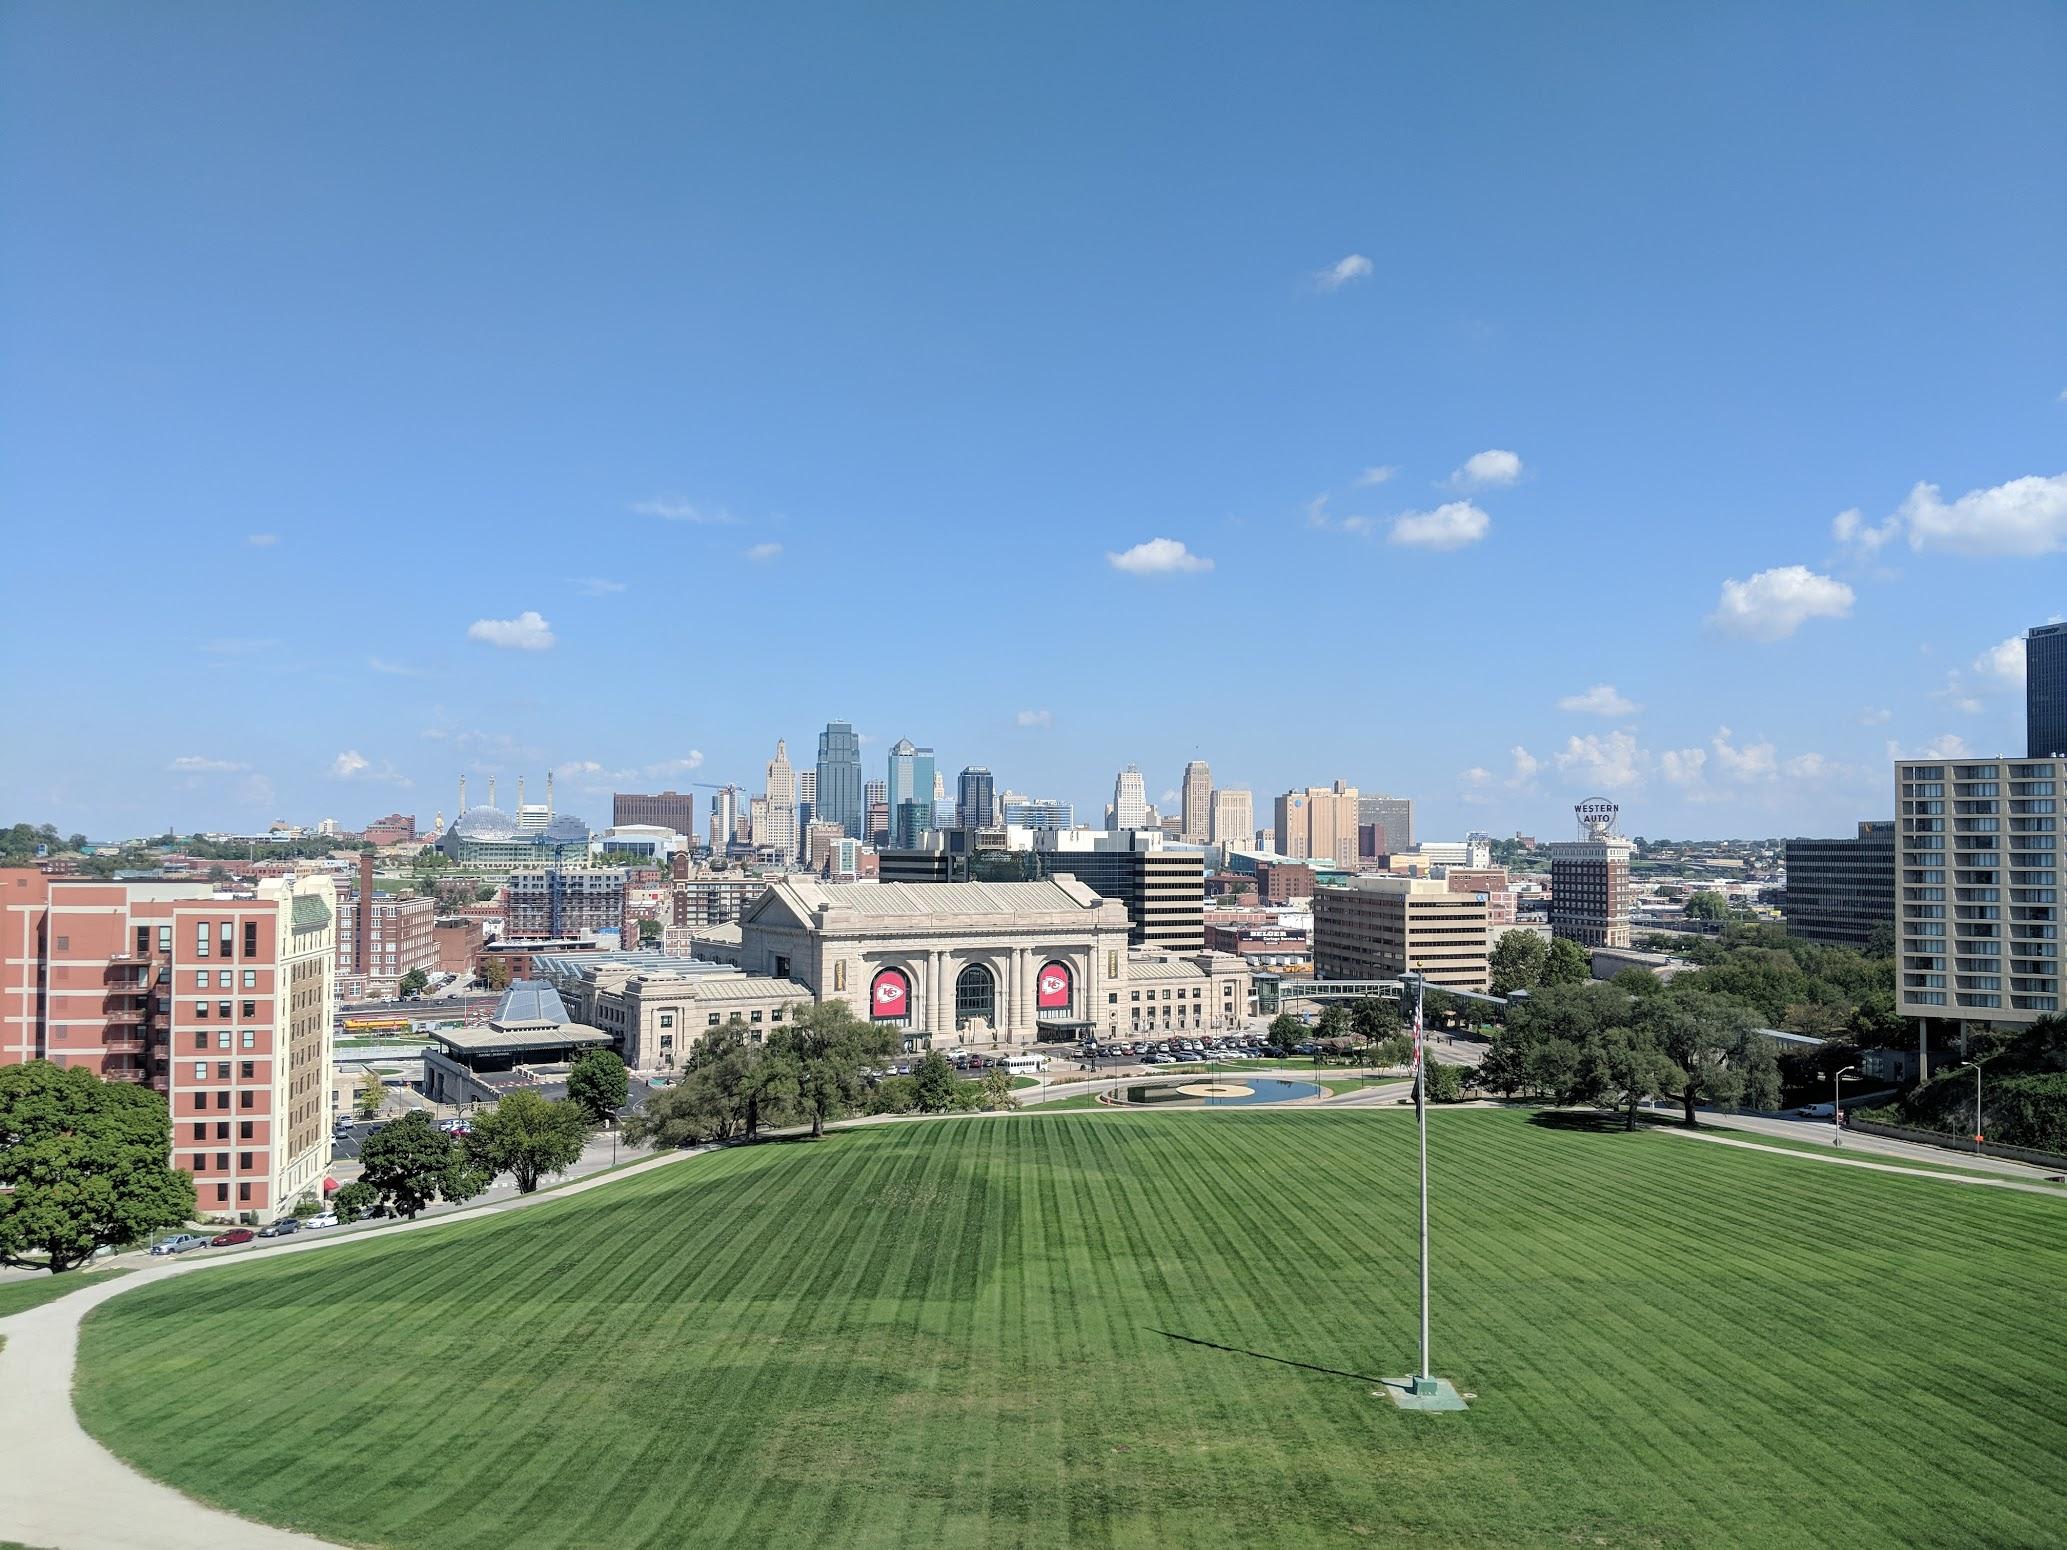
976, 995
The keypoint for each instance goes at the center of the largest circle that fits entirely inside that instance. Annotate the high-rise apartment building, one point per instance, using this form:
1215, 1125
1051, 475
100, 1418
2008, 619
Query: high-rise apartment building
224, 1002
1380, 927
1977, 862
1129, 800
1393, 820
1839, 892
1234, 819
667, 809
1195, 806
724, 818
381, 937
911, 778
1318, 823
975, 799
807, 800
779, 833
565, 901
1589, 880
839, 795
2045, 691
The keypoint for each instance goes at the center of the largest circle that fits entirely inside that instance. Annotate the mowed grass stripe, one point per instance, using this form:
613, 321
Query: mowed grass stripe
941, 1333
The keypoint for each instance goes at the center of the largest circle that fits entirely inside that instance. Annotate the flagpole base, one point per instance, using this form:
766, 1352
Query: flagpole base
1424, 1393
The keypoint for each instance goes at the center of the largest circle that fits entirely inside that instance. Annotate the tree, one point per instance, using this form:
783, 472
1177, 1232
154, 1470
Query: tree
724, 1088
1373, 1018
1445, 1083
414, 983
526, 1136
1624, 1066
1565, 962
933, 1084
372, 1093
893, 1095
495, 973
819, 1059
355, 1200
1517, 962
597, 1084
649, 929
1707, 905
83, 1166
1285, 1033
411, 1164
1335, 1022
997, 1089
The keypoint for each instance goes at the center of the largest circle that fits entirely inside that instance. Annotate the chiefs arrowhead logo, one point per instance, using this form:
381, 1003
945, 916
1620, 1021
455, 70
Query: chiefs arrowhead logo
1053, 984
889, 991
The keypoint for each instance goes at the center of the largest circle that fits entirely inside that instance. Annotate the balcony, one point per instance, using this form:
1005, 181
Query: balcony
124, 1016
125, 1043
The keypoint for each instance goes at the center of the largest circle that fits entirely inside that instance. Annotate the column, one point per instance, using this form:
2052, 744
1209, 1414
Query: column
1025, 1009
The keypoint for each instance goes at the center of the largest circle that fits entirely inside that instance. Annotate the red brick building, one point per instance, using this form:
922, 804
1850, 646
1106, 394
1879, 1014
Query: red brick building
224, 1002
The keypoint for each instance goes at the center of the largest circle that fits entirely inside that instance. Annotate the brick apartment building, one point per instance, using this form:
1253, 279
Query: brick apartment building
224, 1002
380, 938
395, 829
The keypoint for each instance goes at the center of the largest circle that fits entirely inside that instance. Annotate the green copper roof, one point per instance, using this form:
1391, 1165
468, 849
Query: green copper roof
310, 912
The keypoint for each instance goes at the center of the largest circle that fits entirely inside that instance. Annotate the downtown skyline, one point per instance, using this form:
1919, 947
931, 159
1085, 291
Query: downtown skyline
1233, 415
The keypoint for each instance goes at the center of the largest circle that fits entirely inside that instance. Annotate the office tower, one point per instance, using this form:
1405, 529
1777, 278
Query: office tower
908, 825
668, 809
780, 833
1129, 800
724, 818
1839, 891
975, 799
1380, 927
1164, 890
1589, 880
1978, 937
2045, 691
1037, 812
1234, 819
1318, 823
911, 779
1196, 810
839, 799
1392, 818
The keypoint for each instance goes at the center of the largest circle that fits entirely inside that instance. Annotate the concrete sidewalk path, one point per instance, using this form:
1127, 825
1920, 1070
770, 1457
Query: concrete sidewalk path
61, 1490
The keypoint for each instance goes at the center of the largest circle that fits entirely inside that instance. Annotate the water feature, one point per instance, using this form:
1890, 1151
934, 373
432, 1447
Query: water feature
1222, 1091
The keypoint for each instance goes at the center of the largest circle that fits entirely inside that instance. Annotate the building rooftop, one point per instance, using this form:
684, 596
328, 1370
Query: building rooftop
529, 1002
494, 1040
1062, 897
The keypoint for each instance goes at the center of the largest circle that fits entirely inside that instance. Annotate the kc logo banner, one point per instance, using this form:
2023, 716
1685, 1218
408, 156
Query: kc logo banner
889, 997
1051, 989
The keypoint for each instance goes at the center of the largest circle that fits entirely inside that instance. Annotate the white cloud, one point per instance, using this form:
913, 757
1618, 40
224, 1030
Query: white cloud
262, 540
1526, 766
1035, 718
1158, 557
1948, 746
574, 767
1317, 516
1684, 766
1600, 700
692, 760
1342, 271
596, 586
1608, 761
1450, 526
527, 632
347, 764
1809, 766
1478, 781
198, 764
1494, 469
2003, 663
353, 765
675, 509
1754, 761
759, 553
2023, 517
1854, 532
1377, 475
1773, 604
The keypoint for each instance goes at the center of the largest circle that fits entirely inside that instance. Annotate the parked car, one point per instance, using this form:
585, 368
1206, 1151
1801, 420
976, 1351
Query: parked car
223, 1240
178, 1243
281, 1228
326, 1219
1816, 1111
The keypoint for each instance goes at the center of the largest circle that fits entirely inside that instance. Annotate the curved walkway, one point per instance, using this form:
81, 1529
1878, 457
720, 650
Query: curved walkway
62, 1490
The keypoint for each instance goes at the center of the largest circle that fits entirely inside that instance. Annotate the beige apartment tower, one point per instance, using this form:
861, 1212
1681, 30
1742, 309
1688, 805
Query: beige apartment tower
1318, 824
1380, 927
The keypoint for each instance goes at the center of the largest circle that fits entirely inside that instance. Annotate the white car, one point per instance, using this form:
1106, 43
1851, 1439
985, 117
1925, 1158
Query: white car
326, 1219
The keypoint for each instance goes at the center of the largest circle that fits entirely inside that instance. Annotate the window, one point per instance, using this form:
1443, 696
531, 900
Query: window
714, 1019
246, 1069
243, 1159
222, 1070
229, 937
165, 939
201, 1132
222, 1162
250, 1039
243, 1191
222, 1039
200, 1070
222, 1100
143, 941
223, 978
755, 1018
200, 939
251, 939
200, 1041
243, 1100
244, 1128
222, 1010
222, 1193
251, 979
251, 1009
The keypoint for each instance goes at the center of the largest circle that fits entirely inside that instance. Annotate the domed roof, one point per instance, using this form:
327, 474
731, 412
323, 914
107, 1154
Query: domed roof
485, 823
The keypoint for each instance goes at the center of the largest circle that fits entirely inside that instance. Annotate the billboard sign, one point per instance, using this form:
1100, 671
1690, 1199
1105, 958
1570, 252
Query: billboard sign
1051, 989
889, 996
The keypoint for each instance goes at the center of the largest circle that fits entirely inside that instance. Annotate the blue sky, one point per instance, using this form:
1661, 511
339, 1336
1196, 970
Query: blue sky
392, 391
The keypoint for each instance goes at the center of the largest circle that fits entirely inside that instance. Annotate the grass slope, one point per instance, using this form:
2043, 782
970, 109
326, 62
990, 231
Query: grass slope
1132, 1330
21, 1296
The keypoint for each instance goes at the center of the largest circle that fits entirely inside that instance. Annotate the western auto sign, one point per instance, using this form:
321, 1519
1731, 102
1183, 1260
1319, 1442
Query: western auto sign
1051, 989
889, 996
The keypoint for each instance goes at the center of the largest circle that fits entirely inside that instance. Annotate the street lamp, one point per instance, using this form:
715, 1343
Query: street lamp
1977, 1064
1837, 1108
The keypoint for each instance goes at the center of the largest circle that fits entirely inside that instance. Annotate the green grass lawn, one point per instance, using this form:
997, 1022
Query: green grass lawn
1136, 1330
20, 1296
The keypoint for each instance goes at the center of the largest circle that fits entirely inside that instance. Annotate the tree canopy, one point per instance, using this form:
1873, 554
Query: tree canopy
1517, 962
83, 1162
819, 1060
527, 1135
598, 1084
412, 1163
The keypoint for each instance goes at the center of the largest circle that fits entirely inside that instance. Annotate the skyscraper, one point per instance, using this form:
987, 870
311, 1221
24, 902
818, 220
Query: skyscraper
807, 802
911, 779
1197, 806
1129, 800
1234, 819
780, 832
975, 799
1318, 823
2045, 691
1394, 815
839, 778
724, 818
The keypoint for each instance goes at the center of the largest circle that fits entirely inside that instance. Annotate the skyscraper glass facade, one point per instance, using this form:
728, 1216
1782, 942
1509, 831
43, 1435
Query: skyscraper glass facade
839, 778
2045, 691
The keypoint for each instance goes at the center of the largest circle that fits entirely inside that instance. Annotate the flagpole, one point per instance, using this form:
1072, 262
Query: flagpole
1425, 1378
